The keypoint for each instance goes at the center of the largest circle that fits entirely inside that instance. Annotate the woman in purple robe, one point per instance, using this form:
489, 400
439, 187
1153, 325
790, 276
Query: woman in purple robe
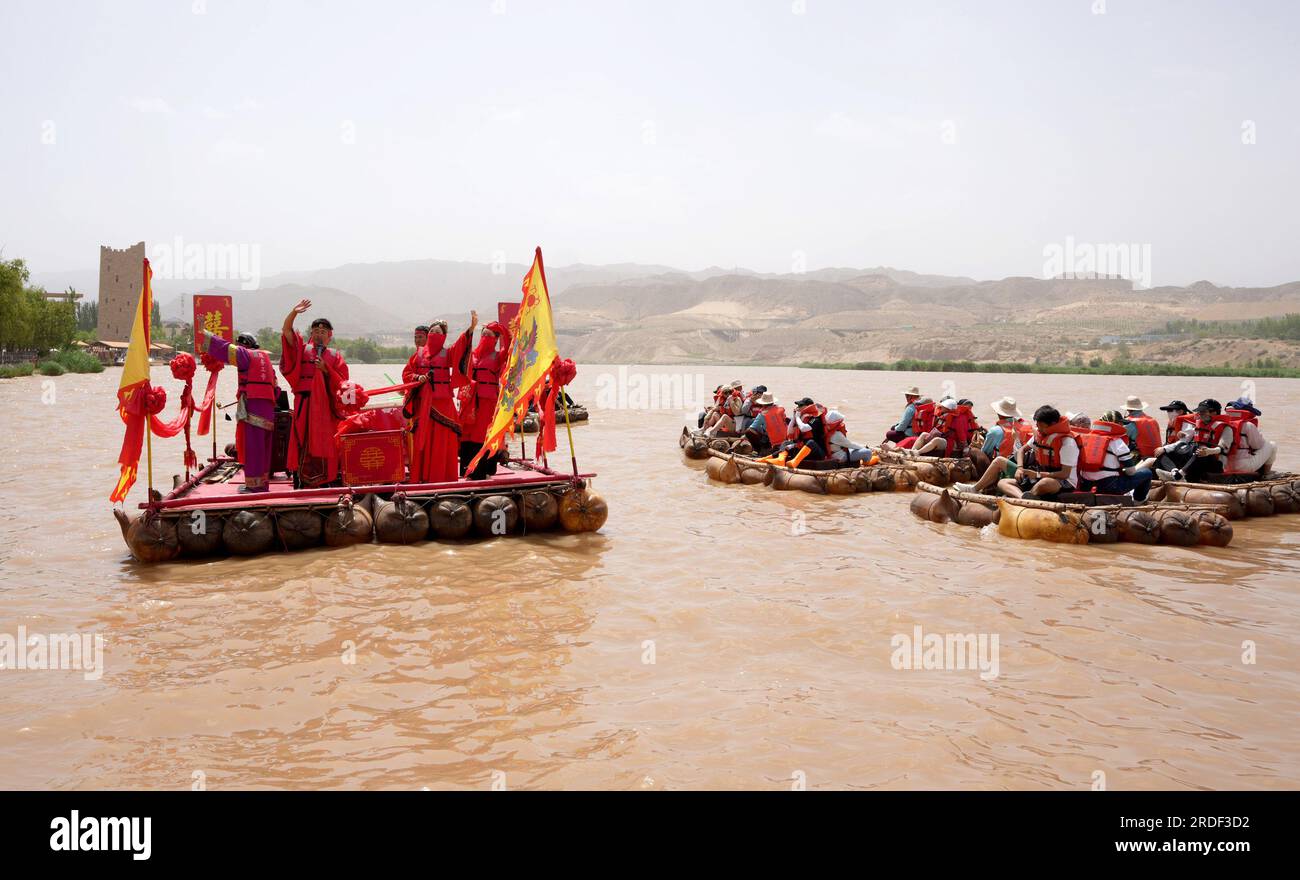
258, 389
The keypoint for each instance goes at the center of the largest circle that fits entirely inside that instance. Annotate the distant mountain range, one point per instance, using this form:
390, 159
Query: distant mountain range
647, 313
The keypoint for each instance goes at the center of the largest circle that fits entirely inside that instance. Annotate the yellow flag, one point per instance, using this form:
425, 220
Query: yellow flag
132, 389
136, 368
532, 353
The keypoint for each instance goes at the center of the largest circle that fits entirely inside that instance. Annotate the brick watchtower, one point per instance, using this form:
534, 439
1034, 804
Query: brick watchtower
120, 274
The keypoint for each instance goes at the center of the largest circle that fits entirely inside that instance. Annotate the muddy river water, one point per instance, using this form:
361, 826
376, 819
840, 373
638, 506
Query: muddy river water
709, 636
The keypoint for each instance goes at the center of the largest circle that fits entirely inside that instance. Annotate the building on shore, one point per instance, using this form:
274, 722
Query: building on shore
120, 277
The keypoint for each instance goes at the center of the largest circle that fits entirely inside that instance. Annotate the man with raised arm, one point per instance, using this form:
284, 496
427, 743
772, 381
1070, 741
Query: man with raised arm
314, 371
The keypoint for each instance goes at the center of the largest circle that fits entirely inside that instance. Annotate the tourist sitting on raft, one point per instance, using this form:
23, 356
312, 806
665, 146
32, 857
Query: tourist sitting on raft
1218, 445
768, 426
721, 417
908, 426
1107, 464
1052, 464
954, 428
747, 407
819, 434
1254, 454
1007, 435
1143, 431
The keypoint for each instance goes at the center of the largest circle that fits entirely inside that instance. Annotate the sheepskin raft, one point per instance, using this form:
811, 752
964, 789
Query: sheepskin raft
1276, 493
207, 516
1102, 522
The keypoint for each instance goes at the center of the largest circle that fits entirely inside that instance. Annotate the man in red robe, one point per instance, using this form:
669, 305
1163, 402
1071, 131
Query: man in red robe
437, 432
478, 400
315, 372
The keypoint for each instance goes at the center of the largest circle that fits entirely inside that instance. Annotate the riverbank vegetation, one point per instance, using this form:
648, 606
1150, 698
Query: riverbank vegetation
1286, 327
1095, 367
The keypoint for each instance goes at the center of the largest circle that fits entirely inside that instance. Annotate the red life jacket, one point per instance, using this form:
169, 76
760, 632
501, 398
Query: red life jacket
1011, 429
487, 375
774, 422
258, 382
923, 418
1175, 427
307, 370
957, 425
1094, 444
440, 376
1241, 416
1047, 445
1209, 435
1148, 434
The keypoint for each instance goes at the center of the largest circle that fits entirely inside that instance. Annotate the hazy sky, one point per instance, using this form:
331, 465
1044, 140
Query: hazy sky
959, 138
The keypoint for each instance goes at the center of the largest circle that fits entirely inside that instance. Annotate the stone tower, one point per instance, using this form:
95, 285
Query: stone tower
120, 275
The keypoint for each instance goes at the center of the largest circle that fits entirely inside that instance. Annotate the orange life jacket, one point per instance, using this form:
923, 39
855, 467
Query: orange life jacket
774, 423
923, 418
1047, 445
1175, 427
258, 382
1148, 434
1094, 444
1011, 429
812, 411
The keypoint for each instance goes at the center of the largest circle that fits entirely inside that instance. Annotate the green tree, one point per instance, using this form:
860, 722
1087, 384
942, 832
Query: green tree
15, 318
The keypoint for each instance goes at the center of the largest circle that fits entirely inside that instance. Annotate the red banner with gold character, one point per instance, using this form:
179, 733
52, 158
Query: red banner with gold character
215, 314
371, 458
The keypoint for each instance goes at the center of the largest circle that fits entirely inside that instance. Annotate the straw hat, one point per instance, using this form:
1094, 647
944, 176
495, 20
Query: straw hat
1006, 407
1135, 403
912, 392
766, 399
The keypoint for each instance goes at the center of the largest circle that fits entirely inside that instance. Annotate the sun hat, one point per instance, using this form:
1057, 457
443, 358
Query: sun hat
1135, 403
1006, 407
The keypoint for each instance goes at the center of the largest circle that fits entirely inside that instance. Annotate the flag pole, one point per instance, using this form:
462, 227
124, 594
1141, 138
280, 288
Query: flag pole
573, 453
148, 443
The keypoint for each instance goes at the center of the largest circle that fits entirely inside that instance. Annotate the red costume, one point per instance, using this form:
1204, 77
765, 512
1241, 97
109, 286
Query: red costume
416, 407
312, 453
434, 457
478, 399
480, 403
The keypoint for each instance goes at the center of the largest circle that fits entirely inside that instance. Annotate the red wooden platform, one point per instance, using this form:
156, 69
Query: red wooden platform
202, 491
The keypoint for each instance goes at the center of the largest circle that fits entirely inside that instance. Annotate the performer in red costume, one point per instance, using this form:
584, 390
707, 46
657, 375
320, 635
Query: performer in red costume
478, 400
314, 372
437, 431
